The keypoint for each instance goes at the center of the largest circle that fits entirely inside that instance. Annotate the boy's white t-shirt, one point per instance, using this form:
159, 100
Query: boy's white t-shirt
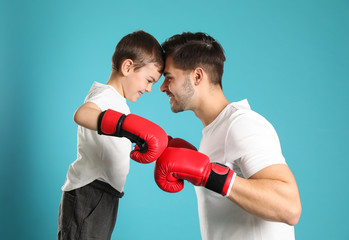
246, 142
98, 156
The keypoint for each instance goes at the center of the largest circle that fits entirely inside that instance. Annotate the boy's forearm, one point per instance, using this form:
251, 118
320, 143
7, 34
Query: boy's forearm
87, 116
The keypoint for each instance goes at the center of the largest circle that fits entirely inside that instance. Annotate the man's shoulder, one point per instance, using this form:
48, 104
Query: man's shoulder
241, 111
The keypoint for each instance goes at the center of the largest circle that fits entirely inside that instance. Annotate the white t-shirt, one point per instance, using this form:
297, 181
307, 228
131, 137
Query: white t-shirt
246, 142
98, 156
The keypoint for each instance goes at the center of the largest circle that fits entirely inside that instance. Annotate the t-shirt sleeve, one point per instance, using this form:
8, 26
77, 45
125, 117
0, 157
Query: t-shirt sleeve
253, 141
100, 98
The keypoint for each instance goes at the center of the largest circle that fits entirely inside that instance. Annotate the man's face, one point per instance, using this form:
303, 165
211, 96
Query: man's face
178, 86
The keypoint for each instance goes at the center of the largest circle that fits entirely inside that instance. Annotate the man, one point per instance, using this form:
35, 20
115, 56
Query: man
239, 157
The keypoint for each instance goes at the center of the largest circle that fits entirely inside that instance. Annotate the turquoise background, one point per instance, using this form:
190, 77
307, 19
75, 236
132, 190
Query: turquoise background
290, 59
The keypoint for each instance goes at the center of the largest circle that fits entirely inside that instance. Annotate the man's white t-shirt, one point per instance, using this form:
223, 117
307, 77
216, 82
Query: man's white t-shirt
101, 157
246, 142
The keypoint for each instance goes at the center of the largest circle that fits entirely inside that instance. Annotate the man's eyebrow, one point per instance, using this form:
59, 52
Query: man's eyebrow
167, 73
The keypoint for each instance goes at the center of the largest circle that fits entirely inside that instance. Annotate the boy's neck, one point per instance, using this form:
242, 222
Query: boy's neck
115, 82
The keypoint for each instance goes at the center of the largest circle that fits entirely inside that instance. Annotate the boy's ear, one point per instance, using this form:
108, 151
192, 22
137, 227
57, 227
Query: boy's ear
198, 75
126, 67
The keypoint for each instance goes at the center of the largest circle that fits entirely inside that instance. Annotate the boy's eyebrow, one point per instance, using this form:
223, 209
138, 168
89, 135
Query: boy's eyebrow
166, 73
152, 79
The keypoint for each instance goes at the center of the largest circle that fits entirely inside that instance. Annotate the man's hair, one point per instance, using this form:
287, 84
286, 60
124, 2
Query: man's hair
191, 50
141, 47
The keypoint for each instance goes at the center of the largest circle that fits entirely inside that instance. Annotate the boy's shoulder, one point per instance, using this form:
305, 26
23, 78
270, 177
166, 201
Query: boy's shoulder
106, 97
100, 90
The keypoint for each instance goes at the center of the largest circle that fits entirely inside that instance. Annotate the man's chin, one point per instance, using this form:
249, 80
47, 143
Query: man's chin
176, 110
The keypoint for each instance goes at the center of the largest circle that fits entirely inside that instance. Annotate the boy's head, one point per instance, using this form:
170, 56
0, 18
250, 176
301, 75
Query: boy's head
190, 50
142, 48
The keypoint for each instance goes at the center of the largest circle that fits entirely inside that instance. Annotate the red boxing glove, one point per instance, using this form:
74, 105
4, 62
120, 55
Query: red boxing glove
149, 137
180, 143
178, 164
176, 143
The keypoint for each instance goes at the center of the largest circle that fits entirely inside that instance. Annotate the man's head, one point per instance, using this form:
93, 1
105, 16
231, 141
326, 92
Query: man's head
190, 57
191, 50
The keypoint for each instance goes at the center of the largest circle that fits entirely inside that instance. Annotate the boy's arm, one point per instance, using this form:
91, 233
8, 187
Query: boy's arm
150, 138
87, 115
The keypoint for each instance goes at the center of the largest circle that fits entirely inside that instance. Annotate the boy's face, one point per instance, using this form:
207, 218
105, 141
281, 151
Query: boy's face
140, 81
178, 86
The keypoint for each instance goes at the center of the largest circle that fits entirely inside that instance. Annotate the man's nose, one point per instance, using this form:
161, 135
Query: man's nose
163, 86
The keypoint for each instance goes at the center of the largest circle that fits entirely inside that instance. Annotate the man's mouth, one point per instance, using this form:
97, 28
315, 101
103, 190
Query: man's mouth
171, 96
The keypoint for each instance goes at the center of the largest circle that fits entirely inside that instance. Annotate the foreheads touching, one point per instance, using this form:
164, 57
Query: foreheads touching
142, 48
191, 50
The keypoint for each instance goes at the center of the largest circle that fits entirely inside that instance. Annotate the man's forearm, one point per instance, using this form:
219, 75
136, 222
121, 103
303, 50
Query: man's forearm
271, 199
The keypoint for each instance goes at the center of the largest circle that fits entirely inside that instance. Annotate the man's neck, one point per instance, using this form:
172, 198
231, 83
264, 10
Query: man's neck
210, 106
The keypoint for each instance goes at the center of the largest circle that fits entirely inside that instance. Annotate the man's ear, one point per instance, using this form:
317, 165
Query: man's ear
126, 67
198, 74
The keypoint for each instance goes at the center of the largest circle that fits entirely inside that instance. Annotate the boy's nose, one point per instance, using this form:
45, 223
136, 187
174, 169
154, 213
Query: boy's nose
148, 89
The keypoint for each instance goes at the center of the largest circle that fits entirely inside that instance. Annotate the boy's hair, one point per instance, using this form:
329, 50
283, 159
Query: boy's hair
191, 50
141, 47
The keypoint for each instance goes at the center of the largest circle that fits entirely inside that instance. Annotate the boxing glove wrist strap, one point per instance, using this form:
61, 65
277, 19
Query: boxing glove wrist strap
110, 123
221, 179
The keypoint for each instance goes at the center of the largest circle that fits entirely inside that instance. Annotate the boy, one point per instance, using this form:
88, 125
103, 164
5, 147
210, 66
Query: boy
95, 181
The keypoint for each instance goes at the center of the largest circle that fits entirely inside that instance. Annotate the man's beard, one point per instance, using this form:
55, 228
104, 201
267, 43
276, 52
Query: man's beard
181, 101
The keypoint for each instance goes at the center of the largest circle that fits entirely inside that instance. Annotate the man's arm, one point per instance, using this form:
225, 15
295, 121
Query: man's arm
87, 115
271, 194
